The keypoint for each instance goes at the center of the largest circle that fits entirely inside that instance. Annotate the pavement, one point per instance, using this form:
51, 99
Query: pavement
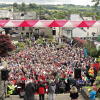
57, 97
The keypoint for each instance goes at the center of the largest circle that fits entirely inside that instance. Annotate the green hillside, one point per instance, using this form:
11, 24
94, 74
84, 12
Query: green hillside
54, 11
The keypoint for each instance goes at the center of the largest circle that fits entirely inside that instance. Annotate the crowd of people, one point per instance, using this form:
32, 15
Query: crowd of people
47, 63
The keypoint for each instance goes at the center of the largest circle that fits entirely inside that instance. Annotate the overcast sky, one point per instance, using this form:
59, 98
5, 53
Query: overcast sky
77, 2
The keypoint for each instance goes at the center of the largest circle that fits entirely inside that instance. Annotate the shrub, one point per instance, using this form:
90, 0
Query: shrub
40, 41
92, 51
20, 45
98, 38
5, 45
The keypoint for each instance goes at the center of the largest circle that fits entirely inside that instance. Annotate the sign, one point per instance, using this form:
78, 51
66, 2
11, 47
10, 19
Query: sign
98, 59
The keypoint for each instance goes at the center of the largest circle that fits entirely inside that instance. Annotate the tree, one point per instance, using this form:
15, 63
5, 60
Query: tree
98, 38
92, 51
15, 5
97, 2
33, 6
23, 7
5, 45
58, 15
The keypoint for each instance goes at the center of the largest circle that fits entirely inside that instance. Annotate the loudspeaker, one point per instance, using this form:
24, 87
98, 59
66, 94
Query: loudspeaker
4, 74
77, 73
53, 32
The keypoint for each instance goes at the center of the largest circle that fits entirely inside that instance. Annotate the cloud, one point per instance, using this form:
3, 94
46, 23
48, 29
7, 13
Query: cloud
35, 1
77, 2
81, 2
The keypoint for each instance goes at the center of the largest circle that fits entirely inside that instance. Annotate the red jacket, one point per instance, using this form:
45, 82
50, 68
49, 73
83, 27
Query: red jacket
41, 90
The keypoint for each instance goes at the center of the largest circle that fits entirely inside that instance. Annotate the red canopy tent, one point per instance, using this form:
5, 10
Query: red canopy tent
43, 23
96, 24
54, 24
28, 23
76, 23
48, 23
58, 23
86, 23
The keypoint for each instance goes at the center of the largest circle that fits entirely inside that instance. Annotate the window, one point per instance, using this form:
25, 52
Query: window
27, 34
23, 28
68, 31
22, 33
16, 28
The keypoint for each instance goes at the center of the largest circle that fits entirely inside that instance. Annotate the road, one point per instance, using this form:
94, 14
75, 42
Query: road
57, 97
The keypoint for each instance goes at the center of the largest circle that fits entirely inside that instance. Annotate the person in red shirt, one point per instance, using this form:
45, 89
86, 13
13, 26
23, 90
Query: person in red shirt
41, 91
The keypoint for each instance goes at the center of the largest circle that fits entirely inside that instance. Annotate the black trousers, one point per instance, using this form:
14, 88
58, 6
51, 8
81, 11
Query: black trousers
41, 96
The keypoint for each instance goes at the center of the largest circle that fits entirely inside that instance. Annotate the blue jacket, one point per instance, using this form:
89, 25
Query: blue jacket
92, 95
